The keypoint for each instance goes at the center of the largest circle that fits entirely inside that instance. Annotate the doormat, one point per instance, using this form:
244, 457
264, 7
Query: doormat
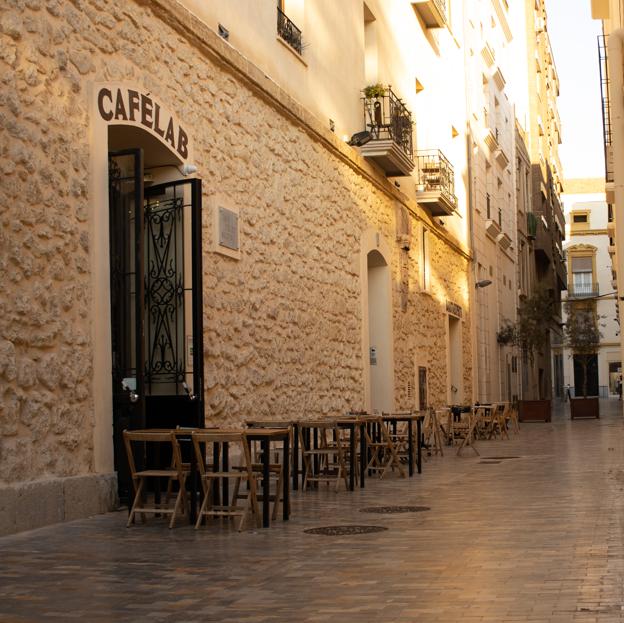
344, 530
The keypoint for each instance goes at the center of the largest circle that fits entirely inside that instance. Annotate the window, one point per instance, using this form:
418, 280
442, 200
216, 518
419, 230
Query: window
287, 30
580, 221
582, 275
488, 205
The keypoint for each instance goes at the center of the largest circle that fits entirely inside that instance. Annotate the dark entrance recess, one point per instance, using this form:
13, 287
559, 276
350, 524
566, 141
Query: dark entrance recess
156, 303
592, 375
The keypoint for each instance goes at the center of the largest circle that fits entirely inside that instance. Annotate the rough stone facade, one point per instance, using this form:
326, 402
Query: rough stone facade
282, 325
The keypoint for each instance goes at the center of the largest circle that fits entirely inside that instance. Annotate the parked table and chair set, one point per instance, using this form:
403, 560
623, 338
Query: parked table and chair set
238, 473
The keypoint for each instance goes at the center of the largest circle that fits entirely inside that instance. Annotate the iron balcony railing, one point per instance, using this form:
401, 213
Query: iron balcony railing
386, 116
441, 4
583, 290
606, 106
287, 30
435, 173
531, 225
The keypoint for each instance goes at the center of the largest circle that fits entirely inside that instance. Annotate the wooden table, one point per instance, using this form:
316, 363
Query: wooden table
292, 425
266, 436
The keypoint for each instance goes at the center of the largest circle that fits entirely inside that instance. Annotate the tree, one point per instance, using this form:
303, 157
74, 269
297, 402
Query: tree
530, 332
582, 335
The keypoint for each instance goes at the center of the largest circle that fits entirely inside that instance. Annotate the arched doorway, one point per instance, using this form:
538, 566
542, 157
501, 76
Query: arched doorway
155, 264
381, 354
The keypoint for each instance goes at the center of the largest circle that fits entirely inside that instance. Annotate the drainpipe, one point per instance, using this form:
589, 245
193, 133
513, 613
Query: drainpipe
615, 65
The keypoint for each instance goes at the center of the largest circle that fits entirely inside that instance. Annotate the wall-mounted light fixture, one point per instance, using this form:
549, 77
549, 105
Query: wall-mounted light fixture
188, 169
360, 138
484, 283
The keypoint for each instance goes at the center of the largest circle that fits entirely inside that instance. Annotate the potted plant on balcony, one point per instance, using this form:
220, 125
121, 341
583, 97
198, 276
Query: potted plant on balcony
583, 338
529, 333
374, 91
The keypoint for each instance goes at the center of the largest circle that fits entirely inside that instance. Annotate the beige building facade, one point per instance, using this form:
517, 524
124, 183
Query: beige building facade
611, 59
308, 277
588, 249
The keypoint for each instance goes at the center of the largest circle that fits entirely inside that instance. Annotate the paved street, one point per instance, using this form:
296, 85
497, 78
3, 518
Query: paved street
535, 536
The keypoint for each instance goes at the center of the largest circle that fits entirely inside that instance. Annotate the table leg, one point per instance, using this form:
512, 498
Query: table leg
419, 448
193, 503
286, 479
363, 457
410, 448
216, 501
226, 468
266, 485
352, 465
295, 474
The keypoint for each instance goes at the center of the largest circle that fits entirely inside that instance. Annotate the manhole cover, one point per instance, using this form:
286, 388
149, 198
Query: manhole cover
499, 458
489, 462
344, 530
394, 509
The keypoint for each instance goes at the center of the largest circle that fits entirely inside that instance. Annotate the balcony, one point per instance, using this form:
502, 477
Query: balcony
388, 131
606, 107
492, 229
582, 290
287, 30
531, 226
432, 12
504, 241
435, 185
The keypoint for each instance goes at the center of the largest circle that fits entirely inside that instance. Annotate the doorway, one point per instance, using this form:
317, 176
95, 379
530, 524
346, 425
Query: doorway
588, 364
455, 361
380, 334
155, 302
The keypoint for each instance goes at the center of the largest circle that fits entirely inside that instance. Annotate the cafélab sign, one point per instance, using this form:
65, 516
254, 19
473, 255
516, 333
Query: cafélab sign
126, 105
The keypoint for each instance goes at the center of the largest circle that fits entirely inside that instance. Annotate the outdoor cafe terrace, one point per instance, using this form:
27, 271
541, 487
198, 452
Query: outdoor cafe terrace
528, 529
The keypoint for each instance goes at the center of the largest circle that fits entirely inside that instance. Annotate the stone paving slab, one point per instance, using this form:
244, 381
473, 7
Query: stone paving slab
535, 539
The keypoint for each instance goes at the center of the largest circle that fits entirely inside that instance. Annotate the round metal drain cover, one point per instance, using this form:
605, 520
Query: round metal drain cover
499, 458
344, 530
394, 509
489, 462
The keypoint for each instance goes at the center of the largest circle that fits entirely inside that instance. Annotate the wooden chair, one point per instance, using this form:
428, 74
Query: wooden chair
206, 442
383, 454
432, 431
173, 473
470, 434
512, 416
500, 419
323, 456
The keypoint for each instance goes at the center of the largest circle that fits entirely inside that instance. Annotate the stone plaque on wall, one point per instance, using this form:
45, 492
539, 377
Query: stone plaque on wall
228, 229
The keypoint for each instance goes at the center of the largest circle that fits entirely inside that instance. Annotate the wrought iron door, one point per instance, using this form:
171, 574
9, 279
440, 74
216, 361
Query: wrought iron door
156, 303
126, 235
173, 305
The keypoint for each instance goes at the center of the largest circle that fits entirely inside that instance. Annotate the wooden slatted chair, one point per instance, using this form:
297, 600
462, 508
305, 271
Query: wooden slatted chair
324, 460
383, 454
173, 473
432, 431
206, 442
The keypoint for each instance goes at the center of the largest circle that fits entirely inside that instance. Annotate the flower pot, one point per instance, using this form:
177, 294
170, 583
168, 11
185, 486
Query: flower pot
584, 408
534, 410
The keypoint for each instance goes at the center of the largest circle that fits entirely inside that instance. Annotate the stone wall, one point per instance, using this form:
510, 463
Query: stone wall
283, 325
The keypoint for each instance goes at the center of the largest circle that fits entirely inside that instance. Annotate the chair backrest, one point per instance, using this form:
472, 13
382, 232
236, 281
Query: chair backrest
209, 438
152, 435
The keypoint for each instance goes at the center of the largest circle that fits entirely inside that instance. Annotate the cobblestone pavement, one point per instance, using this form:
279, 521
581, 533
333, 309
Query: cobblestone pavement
534, 538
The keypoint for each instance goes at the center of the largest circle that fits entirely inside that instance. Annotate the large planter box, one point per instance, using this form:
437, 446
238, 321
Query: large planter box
584, 408
534, 410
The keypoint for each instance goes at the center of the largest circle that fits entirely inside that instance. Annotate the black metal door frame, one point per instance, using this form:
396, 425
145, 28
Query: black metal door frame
128, 400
